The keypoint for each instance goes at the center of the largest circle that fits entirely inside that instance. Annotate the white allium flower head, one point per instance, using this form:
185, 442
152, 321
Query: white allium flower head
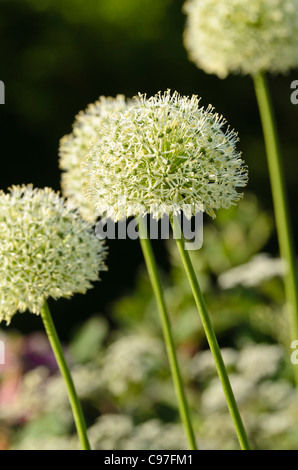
162, 155
46, 250
242, 36
74, 147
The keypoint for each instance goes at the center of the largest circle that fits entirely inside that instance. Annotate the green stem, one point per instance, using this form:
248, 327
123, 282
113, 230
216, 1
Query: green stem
62, 364
211, 337
167, 332
280, 202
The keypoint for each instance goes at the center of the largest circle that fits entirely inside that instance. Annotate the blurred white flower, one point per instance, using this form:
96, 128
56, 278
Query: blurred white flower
87, 380
109, 431
155, 435
113, 431
260, 268
258, 361
278, 394
272, 424
74, 148
213, 398
202, 365
246, 36
131, 360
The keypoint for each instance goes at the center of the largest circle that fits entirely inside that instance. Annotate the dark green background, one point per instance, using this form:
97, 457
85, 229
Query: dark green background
59, 55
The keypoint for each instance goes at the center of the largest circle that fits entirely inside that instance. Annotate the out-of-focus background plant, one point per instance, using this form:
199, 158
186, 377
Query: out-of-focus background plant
58, 57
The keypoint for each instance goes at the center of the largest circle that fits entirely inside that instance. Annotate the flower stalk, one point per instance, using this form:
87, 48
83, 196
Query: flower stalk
280, 200
65, 372
211, 337
167, 332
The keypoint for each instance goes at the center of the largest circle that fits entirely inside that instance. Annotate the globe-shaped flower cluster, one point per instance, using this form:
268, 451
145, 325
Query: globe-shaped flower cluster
46, 250
74, 147
164, 155
242, 36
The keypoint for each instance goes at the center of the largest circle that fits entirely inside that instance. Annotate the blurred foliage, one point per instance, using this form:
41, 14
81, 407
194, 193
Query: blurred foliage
51, 51
122, 374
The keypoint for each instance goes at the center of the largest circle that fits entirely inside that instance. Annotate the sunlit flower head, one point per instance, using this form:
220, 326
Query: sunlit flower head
163, 155
46, 250
74, 147
242, 36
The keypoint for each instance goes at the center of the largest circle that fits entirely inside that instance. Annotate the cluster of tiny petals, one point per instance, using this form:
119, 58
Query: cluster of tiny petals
74, 147
164, 155
46, 250
242, 36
